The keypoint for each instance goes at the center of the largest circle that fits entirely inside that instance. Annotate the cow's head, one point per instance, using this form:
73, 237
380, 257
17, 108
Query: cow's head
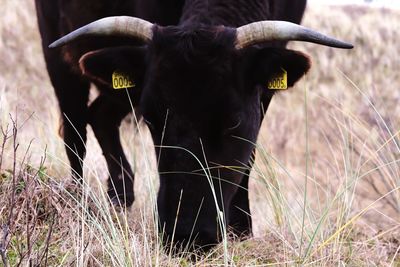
201, 94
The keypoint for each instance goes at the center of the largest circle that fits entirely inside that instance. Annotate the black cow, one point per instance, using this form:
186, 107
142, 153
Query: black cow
200, 78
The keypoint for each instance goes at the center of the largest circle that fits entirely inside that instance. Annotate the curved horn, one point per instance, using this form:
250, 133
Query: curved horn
264, 31
111, 26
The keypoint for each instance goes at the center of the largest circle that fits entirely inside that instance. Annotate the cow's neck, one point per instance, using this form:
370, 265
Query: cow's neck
225, 12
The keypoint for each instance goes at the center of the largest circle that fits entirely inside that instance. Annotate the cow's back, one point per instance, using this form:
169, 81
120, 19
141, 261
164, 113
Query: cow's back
161, 12
288, 10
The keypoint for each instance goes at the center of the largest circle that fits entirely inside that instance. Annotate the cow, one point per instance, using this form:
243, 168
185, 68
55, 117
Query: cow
199, 71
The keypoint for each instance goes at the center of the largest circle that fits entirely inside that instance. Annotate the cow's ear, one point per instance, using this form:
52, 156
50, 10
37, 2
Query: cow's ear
103, 65
273, 63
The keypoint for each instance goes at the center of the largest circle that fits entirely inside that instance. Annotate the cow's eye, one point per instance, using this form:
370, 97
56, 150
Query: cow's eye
235, 124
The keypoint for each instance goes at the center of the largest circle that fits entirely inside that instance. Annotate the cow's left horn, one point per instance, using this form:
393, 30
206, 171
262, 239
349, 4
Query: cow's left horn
111, 26
264, 31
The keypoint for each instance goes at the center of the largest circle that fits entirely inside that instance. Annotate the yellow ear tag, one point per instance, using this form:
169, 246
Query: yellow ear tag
121, 80
278, 82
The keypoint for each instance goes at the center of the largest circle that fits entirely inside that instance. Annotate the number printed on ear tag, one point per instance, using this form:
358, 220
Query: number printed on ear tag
278, 82
121, 80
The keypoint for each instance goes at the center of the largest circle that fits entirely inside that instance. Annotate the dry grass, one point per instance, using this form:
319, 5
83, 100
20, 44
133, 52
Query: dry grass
325, 188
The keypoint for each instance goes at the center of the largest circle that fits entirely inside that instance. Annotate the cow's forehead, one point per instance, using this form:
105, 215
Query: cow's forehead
197, 51
194, 37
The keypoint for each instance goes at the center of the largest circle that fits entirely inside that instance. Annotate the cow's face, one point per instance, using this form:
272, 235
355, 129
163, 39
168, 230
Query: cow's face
202, 101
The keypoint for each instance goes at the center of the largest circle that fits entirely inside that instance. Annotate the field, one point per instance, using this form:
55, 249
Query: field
324, 189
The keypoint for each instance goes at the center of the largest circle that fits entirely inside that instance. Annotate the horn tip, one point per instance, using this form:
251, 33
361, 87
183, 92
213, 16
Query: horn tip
55, 44
347, 46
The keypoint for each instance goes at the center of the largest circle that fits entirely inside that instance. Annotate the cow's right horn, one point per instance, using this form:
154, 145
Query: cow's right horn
267, 31
111, 26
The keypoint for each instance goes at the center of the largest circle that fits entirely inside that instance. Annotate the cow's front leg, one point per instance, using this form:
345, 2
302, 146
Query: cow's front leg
105, 116
239, 212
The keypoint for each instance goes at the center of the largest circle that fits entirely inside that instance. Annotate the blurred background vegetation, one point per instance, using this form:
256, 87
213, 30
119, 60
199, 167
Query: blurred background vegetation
324, 189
